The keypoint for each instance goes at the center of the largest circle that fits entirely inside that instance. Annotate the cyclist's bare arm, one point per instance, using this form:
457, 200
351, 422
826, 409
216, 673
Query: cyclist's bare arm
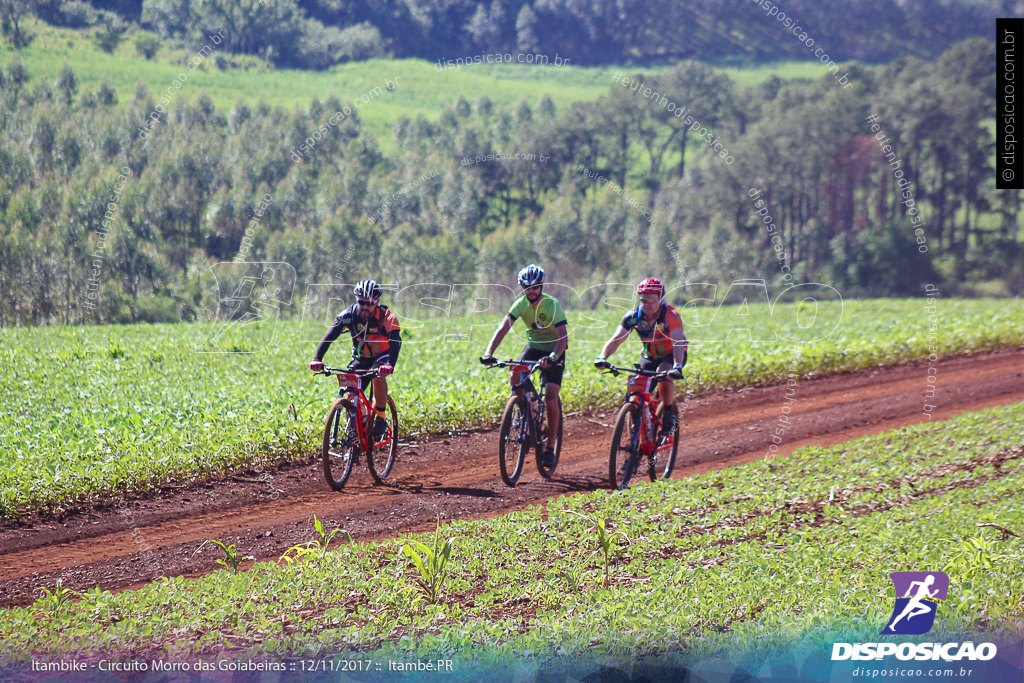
613, 344
679, 346
563, 339
499, 335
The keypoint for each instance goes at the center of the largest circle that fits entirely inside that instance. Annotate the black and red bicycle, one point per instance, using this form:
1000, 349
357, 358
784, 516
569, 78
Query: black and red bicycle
522, 425
348, 431
635, 441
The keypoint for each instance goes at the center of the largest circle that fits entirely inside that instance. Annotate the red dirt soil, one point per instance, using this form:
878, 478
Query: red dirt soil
456, 476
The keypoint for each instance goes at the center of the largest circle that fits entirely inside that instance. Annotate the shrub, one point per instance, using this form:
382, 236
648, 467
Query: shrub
110, 33
361, 41
147, 44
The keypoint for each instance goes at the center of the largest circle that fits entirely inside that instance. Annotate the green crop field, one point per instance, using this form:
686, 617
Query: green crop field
99, 411
421, 88
790, 550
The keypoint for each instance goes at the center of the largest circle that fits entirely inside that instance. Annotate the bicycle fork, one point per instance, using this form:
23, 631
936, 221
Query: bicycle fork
641, 439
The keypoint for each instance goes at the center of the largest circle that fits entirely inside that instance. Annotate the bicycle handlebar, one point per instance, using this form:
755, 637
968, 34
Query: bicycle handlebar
615, 371
533, 365
343, 371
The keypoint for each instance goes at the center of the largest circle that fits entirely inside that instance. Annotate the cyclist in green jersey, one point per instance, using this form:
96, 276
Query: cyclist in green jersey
546, 340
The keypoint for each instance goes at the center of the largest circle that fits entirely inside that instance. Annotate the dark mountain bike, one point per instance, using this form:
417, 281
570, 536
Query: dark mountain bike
635, 441
522, 426
348, 431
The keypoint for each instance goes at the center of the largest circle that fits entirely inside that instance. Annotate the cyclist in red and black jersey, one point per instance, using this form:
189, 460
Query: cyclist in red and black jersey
661, 330
376, 341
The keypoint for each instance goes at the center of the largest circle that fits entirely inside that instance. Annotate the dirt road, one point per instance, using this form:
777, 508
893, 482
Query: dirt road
456, 476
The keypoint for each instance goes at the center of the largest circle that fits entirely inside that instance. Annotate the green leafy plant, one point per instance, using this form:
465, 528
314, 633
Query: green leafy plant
605, 541
55, 601
574, 574
973, 556
231, 557
432, 564
96, 599
116, 349
315, 548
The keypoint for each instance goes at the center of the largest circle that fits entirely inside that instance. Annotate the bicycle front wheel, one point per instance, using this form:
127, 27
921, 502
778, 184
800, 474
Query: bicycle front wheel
665, 459
623, 457
513, 440
382, 456
341, 443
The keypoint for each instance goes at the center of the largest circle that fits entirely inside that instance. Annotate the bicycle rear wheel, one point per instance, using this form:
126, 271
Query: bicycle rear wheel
341, 443
664, 461
513, 441
543, 442
382, 456
623, 458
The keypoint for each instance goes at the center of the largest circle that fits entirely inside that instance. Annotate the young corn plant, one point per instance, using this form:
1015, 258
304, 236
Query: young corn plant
231, 557
54, 602
317, 548
432, 564
605, 541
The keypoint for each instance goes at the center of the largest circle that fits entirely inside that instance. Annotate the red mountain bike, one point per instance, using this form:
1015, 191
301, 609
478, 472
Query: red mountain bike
347, 432
635, 436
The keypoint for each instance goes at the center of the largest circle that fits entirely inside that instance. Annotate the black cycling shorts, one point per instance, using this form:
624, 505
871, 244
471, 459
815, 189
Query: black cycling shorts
552, 375
655, 364
364, 364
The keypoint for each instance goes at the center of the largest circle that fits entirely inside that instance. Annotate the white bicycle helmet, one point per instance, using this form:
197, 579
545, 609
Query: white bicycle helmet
367, 289
531, 275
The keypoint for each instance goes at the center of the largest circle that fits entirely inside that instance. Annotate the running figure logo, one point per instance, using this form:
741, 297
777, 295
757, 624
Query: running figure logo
917, 599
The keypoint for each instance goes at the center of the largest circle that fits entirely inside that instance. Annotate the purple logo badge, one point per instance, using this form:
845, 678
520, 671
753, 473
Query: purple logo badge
917, 599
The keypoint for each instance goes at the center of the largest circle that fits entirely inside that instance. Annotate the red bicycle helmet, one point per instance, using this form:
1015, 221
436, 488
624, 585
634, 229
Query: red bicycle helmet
651, 285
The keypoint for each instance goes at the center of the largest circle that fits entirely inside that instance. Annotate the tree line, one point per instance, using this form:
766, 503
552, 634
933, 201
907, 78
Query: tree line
805, 148
318, 33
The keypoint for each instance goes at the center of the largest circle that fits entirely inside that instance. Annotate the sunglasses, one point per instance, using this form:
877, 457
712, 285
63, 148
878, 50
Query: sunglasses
364, 302
649, 299
532, 288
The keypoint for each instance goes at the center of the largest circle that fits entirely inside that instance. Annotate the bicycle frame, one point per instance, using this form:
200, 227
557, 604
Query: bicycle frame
534, 398
349, 384
638, 390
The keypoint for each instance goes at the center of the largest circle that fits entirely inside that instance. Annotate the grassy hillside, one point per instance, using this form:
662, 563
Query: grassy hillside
421, 88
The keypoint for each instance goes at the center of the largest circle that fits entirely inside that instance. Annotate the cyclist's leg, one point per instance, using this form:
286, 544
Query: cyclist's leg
380, 387
666, 389
551, 403
552, 378
380, 394
380, 398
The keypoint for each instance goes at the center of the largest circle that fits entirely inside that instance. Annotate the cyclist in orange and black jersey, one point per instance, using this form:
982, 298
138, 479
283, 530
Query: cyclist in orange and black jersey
376, 341
660, 328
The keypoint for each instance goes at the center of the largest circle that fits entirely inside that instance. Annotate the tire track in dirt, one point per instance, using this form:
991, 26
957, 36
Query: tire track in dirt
455, 476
